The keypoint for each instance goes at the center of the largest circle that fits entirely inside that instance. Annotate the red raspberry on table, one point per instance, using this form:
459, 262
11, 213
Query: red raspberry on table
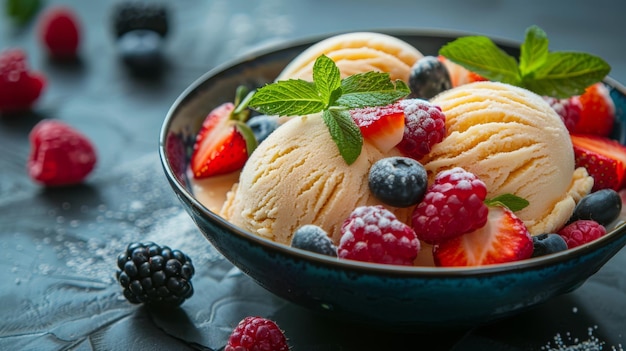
424, 126
581, 232
257, 334
59, 32
568, 109
453, 205
60, 155
374, 234
19, 88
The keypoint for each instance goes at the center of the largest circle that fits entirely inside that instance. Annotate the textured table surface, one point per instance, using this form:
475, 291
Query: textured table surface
57, 263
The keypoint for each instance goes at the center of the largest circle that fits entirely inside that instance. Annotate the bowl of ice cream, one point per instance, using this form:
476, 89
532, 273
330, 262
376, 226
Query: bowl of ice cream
418, 296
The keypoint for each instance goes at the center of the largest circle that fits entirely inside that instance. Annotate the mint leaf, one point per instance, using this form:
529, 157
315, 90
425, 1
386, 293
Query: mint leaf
371, 89
512, 202
480, 55
21, 11
534, 50
345, 133
292, 97
565, 74
327, 79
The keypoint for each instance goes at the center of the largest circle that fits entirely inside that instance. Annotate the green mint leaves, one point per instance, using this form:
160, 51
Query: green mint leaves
558, 74
512, 202
333, 97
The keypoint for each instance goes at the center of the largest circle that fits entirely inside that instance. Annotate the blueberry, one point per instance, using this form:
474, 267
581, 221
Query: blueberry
313, 238
398, 181
262, 126
545, 244
141, 51
428, 78
602, 206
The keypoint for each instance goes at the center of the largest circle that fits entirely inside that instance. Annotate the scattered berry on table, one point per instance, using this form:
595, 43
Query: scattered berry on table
60, 155
604, 159
503, 239
257, 334
453, 205
374, 234
141, 50
398, 181
129, 16
424, 126
382, 126
59, 31
19, 88
315, 239
223, 142
262, 126
602, 206
568, 109
545, 244
581, 232
597, 113
428, 78
154, 274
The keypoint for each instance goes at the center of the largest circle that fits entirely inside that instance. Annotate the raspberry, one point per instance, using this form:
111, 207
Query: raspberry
374, 234
581, 232
257, 334
19, 88
453, 205
568, 109
60, 155
156, 275
425, 126
129, 16
59, 32
313, 238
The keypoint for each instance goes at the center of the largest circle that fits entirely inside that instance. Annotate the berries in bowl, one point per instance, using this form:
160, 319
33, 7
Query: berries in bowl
314, 168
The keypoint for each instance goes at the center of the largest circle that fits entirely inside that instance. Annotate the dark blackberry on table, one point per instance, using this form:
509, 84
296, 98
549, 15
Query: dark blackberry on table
155, 275
133, 15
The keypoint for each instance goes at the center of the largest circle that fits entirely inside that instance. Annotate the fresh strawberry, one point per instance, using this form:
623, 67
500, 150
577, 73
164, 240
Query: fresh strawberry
60, 155
503, 239
604, 159
223, 142
382, 126
59, 32
597, 111
19, 88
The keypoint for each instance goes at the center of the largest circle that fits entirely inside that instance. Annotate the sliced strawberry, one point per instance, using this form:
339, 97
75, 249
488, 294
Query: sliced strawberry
597, 111
382, 126
503, 239
460, 75
604, 159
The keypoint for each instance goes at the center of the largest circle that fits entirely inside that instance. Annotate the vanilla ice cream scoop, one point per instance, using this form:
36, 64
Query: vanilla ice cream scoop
297, 177
357, 52
513, 141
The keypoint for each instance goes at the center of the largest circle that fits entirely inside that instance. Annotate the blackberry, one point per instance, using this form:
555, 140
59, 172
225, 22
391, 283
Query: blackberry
155, 275
129, 16
313, 238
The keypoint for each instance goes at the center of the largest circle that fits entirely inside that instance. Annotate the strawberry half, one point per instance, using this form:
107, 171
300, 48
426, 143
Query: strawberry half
604, 159
460, 75
503, 239
223, 143
383, 126
597, 111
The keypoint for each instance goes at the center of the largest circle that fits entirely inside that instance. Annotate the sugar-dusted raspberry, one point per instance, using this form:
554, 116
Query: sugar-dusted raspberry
19, 88
581, 232
374, 234
257, 334
424, 126
568, 109
453, 205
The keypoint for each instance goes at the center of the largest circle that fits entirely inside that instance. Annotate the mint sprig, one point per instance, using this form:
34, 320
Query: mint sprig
333, 97
559, 74
510, 201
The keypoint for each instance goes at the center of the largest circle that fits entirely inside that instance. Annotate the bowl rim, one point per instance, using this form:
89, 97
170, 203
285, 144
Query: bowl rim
344, 264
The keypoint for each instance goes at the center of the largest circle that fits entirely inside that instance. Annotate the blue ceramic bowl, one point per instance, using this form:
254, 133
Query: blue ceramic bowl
381, 295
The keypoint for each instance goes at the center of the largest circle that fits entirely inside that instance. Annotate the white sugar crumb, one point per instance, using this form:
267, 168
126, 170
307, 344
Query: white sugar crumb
569, 343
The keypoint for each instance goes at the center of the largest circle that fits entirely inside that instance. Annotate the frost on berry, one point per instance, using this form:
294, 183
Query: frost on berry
425, 126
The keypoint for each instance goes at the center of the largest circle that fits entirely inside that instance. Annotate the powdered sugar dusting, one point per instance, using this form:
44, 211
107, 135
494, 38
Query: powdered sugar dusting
569, 343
